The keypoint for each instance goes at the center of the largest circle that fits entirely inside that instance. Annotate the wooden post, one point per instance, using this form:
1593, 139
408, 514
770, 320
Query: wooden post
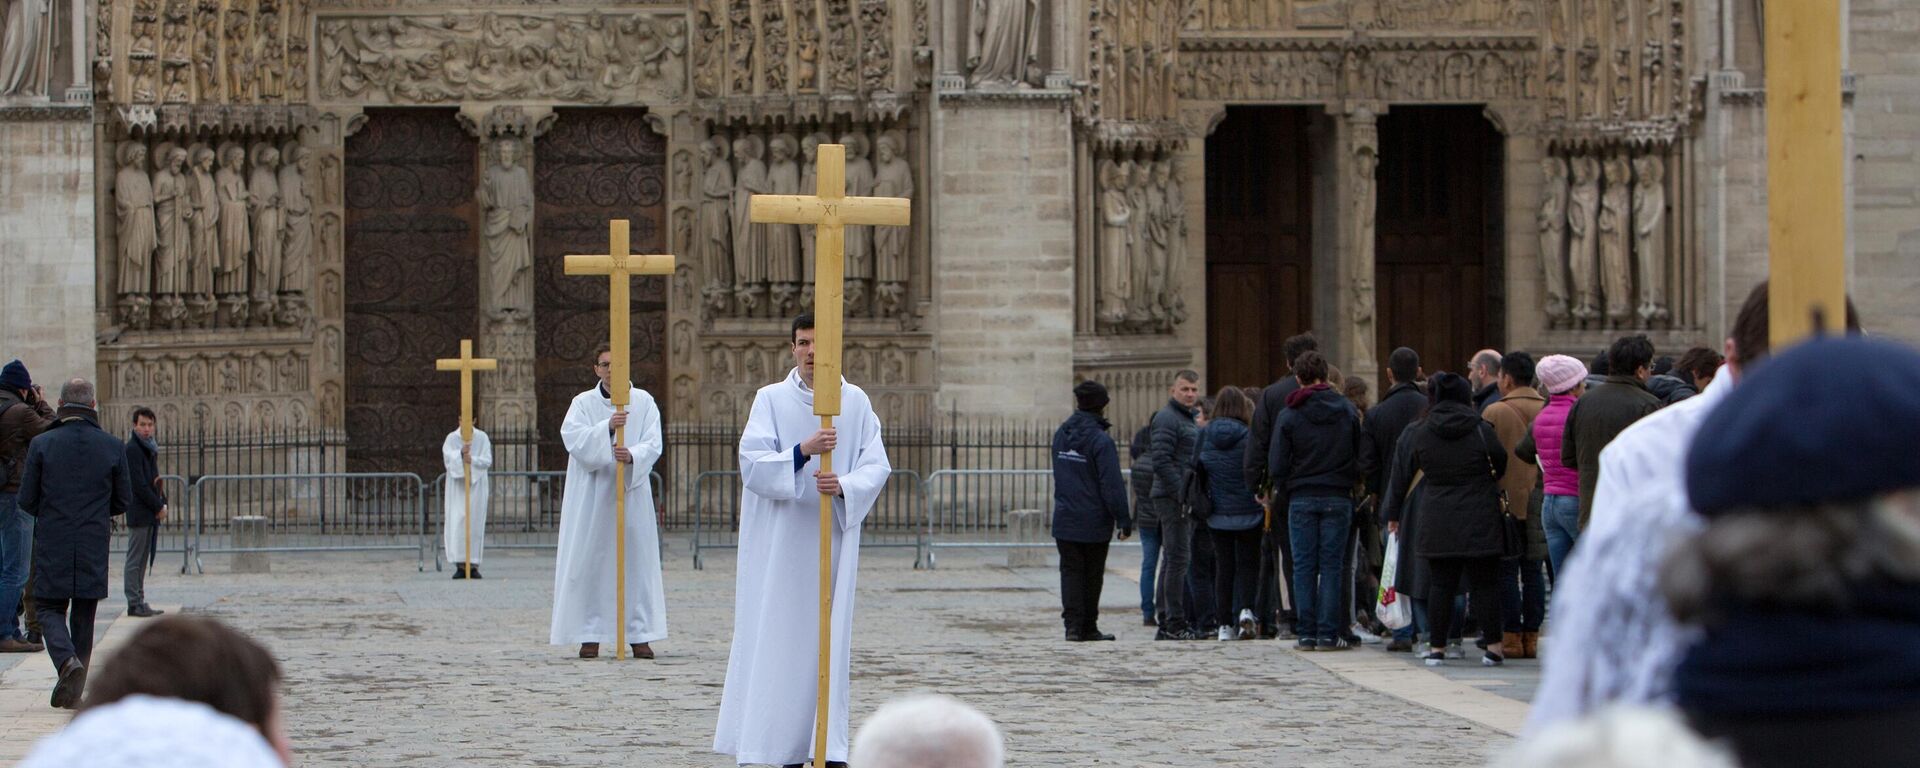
466, 364
620, 267
1806, 169
830, 211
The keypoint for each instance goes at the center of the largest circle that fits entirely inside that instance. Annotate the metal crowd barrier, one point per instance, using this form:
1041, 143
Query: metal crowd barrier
968, 508
523, 510
313, 512
893, 522
175, 534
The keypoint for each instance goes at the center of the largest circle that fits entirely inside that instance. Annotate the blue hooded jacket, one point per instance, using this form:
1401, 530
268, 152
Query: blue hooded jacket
1222, 450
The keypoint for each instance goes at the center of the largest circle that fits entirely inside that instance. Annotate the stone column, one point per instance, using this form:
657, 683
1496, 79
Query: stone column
1357, 159
328, 299
1523, 184
81, 91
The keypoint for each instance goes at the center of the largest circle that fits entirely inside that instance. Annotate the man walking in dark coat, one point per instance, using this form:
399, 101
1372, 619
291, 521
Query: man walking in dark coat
24, 414
1089, 501
1606, 410
1276, 556
148, 511
1380, 432
74, 482
1176, 436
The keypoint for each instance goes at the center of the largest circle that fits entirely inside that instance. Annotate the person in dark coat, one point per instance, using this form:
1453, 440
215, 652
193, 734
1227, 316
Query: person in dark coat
1605, 411
1276, 555
1483, 374
74, 482
1175, 436
1236, 519
144, 517
1401, 406
1140, 482
24, 414
1089, 501
1315, 462
1461, 461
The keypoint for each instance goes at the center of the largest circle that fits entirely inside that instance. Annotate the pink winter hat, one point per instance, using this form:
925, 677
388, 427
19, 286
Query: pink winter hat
1559, 373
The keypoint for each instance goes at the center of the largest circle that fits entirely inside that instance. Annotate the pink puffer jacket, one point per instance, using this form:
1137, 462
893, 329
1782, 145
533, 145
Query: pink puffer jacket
1549, 428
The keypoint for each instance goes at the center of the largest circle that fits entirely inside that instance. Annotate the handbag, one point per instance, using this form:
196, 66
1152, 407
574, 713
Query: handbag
1513, 532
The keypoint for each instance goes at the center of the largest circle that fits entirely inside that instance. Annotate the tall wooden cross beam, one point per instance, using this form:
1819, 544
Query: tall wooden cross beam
830, 212
620, 267
1806, 168
466, 364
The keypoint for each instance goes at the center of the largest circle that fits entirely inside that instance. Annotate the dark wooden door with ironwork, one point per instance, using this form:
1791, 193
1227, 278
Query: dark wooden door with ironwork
1438, 257
1259, 242
592, 166
411, 276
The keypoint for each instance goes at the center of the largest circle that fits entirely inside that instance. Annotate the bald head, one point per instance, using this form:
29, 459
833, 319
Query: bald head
1484, 369
928, 732
77, 392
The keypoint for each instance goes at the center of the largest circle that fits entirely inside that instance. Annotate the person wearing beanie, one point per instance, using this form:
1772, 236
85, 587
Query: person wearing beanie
1563, 379
1461, 532
1641, 508
24, 414
1804, 579
1089, 502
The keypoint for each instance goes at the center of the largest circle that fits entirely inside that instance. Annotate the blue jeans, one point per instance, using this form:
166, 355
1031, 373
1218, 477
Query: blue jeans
1561, 518
16, 553
1523, 595
1318, 527
1149, 566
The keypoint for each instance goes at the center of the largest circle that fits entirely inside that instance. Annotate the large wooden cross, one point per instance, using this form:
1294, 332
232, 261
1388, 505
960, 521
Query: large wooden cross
1806, 169
830, 212
620, 267
466, 364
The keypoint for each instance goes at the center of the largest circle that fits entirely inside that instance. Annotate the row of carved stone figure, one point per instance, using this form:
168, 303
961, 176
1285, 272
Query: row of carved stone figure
1600, 234
202, 248
1142, 246
766, 270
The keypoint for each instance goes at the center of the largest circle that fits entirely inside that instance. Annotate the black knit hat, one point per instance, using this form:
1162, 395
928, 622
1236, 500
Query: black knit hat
1449, 388
1090, 396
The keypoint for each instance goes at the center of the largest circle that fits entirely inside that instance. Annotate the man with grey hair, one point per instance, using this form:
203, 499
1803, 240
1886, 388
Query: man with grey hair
74, 482
1483, 372
928, 732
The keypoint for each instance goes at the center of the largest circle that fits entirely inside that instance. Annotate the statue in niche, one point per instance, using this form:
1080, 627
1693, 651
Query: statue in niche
1151, 208
1616, 272
749, 257
891, 245
135, 233
809, 184
23, 47
782, 240
1552, 220
1176, 212
170, 207
506, 201
1583, 202
203, 240
1003, 48
264, 203
716, 222
297, 251
1116, 241
1649, 242
1142, 304
1366, 204
236, 239
859, 239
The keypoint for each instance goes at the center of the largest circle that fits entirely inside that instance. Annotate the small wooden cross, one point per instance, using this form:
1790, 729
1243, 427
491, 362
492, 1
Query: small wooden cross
830, 211
619, 266
466, 364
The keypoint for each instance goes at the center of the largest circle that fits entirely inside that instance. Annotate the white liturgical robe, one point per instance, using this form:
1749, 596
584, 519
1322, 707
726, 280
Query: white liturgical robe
766, 711
455, 534
584, 597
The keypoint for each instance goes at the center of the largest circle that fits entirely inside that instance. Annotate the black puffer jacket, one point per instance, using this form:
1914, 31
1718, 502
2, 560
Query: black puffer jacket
1461, 461
1140, 477
1670, 389
1175, 439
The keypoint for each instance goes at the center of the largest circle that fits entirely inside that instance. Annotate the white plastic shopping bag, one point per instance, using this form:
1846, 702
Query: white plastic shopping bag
1393, 609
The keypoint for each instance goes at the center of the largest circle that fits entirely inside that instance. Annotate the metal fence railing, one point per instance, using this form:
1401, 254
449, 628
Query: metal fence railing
308, 512
893, 521
968, 508
175, 534
523, 510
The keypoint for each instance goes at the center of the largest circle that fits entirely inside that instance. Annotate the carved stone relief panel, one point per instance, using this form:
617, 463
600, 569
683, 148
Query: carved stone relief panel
895, 370
248, 387
1134, 59
1604, 238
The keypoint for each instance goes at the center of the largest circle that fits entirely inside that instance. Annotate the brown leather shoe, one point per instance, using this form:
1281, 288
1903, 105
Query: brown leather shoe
642, 651
1530, 641
589, 650
1513, 645
16, 645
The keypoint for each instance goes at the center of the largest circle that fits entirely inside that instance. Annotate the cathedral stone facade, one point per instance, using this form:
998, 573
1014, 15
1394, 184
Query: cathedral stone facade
275, 213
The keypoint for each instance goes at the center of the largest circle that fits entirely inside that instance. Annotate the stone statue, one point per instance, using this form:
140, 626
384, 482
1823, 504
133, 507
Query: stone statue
134, 231
170, 207
236, 239
1616, 283
296, 252
1141, 303
809, 184
1151, 208
716, 222
1366, 204
1552, 220
23, 47
783, 240
1649, 240
1003, 47
203, 241
264, 203
859, 239
1176, 240
749, 257
892, 246
1583, 201
506, 201
1116, 234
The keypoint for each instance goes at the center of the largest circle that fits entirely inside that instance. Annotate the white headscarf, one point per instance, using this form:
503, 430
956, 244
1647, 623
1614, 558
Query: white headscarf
149, 732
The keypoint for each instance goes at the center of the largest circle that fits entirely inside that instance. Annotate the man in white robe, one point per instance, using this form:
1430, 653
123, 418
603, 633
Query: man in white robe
584, 582
457, 455
767, 708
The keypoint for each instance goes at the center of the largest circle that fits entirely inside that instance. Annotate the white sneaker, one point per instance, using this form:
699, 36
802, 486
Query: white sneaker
1454, 651
1248, 626
1366, 638
1226, 633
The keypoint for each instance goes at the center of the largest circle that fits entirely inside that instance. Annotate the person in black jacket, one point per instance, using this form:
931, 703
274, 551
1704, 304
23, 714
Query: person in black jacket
1460, 532
1315, 461
1140, 483
1089, 500
1276, 556
73, 483
143, 518
1402, 405
1175, 437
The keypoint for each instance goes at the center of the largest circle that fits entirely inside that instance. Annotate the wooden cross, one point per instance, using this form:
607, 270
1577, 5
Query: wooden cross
830, 211
619, 266
1806, 169
466, 364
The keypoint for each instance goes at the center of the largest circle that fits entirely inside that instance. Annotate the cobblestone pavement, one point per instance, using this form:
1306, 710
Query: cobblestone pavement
391, 667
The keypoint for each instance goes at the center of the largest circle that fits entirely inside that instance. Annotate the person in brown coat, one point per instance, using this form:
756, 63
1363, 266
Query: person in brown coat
24, 414
1523, 581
